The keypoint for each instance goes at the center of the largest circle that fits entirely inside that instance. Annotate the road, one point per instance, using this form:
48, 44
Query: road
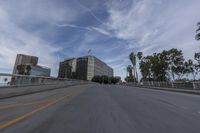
98, 108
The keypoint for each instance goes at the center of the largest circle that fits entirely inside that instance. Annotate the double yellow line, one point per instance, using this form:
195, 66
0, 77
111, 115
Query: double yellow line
24, 104
29, 114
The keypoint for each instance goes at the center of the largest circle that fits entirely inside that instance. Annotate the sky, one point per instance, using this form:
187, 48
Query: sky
55, 30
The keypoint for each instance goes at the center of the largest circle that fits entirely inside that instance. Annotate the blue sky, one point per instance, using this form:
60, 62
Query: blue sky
57, 29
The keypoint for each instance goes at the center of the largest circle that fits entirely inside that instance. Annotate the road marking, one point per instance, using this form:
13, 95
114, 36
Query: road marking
25, 116
24, 104
29, 114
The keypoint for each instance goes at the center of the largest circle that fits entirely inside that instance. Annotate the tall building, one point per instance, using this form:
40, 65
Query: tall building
35, 70
27, 65
67, 68
84, 68
22, 59
40, 71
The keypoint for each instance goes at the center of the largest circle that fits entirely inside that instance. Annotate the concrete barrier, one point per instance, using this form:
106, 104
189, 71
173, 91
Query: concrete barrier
188, 91
14, 91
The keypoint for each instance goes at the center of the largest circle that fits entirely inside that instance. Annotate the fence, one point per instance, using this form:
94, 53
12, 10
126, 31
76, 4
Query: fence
179, 85
25, 80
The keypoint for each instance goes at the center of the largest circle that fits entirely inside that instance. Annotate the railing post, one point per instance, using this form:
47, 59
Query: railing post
172, 84
194, 85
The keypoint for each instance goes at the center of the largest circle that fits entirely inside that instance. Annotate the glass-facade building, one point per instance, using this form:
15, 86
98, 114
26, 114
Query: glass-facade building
40, 71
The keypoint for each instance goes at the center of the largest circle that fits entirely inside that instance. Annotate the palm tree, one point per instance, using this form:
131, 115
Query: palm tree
132, 57
129, 70
139, 55
198, 32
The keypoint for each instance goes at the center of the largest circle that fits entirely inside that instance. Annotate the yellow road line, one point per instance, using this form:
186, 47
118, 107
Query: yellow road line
29, 114
25, 116
24, 104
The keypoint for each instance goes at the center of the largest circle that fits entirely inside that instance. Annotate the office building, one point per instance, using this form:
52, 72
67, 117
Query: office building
84, 68
40, 71
67, 68
33, 70
22, 59
27, 65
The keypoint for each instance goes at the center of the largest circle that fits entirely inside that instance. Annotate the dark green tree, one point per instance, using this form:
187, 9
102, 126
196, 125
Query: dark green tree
97, 79
139, 55
158, 67
145, 68
105, 79
114, 80
130, 79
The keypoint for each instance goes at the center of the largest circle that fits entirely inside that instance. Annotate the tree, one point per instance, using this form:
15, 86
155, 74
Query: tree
162, 66
21, 69
197, 57
175, 61
132, 58
97, 79
28, 70
130, 70
114, 80
139, 55
197, 37
190, 68
145, 68
105, 79
130, 79
158, 67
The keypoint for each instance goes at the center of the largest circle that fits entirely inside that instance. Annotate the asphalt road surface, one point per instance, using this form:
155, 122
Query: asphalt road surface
98, 108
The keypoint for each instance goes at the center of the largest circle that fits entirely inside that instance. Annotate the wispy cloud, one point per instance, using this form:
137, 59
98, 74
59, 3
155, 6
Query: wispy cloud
74, 26
151, 26
15, 38
112, 29
91, 12
90, 28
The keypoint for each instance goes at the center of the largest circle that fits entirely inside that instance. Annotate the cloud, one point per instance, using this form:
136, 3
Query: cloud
112, 29
38, 11
90, 28
149, 25
14, 38
91, 12
102, 31
73, 26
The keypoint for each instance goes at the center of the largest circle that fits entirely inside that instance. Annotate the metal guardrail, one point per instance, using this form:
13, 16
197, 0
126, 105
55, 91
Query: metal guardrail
178, 85
7, 80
